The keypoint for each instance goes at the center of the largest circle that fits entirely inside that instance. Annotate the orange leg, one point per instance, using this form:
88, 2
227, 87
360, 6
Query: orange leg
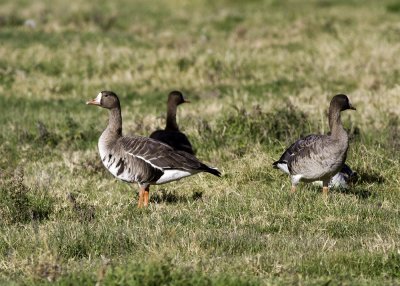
141, 194
325, 188
146, 196
293, 189
325, 191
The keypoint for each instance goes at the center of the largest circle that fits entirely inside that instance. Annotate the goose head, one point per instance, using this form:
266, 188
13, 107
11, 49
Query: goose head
105, 99
341, 102
175, 98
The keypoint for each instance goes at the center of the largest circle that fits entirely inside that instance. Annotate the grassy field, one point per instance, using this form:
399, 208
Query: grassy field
259, 75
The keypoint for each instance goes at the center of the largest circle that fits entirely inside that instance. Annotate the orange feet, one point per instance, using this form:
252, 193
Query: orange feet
293, 189
146, 197
325, 191
141, 195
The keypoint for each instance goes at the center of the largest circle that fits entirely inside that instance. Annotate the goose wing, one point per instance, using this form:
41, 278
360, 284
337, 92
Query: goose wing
297, 147
161, 156
175, 139
318, 157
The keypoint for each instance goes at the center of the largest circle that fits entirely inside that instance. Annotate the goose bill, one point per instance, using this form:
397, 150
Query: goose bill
96, 101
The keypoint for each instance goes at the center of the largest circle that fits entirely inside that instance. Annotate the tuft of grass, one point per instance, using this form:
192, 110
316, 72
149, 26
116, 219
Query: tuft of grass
393, 8
19, 203
245, 127
393, 131
155, 272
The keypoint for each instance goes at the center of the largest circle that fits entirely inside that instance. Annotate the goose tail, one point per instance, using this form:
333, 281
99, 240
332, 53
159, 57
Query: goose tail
213, 171
281, 165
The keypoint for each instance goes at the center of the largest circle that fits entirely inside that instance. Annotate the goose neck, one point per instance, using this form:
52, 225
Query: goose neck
335, 123
114, 127
171, 117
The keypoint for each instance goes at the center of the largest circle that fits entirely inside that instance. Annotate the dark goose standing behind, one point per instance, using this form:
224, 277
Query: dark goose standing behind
141, 159
171, 135
319, 157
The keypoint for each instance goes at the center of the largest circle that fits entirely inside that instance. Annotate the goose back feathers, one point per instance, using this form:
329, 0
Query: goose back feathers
171, 135
175, 139
341, 179
319, 159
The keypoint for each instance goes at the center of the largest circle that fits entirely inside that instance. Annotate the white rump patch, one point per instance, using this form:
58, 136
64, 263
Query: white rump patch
283, 167
173, 175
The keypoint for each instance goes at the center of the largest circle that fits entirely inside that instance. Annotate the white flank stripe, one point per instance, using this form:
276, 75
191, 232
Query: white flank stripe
147, 161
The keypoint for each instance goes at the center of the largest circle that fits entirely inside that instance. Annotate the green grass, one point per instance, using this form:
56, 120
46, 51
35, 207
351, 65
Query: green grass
259, 76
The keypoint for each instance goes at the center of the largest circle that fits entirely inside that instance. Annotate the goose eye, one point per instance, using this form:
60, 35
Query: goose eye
106, 95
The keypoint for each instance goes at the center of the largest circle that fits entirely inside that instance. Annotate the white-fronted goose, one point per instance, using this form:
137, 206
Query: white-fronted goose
141, 159
341, 180
171, 135
319, 157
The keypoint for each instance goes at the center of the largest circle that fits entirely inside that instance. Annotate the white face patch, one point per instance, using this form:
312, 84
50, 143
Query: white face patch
98, 98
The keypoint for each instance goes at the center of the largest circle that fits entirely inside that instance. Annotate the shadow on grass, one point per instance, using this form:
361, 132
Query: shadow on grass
171, 197
370, 177
355, 185
358, 192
